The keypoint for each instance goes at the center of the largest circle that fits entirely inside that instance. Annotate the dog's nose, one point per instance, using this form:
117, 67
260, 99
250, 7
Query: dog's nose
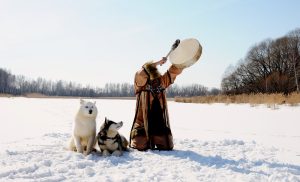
90, 111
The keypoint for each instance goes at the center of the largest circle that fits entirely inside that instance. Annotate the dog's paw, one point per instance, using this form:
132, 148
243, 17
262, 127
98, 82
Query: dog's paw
105, 153
117, 153
86, 153
80, 151
97, 153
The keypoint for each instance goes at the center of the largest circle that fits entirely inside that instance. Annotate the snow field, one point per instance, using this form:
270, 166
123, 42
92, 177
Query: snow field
212, 143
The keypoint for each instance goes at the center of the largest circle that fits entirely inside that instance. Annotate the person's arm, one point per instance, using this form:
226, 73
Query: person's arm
169, 77
140, 80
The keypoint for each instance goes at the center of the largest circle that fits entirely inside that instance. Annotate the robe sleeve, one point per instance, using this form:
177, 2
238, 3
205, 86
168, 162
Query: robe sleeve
169, 77
140, 80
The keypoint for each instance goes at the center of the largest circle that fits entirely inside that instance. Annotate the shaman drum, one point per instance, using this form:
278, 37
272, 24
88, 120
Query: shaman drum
186, 54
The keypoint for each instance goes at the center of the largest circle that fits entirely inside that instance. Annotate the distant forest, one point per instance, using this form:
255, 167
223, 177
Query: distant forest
272, 66
20, 85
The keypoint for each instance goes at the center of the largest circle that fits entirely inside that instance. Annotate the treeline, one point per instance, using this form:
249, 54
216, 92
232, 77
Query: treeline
19, 85
272, 66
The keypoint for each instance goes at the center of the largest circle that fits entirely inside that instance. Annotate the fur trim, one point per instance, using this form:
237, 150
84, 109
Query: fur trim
151, 70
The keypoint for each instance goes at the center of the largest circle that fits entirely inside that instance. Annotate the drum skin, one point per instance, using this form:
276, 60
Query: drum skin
186, 54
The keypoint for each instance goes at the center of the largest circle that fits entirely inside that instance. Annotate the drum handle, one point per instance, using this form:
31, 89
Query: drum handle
169, 53
174, 46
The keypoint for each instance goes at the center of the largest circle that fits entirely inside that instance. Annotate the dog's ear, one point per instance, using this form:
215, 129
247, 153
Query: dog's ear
94, 102
81, 101
120, 124
105, 121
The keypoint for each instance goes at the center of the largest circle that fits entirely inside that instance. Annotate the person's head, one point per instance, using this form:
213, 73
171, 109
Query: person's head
152, 70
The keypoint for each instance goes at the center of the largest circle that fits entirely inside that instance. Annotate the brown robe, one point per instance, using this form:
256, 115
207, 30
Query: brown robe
141, 137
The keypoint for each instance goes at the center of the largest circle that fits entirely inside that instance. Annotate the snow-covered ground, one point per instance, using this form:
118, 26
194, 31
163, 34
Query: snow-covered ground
214, 142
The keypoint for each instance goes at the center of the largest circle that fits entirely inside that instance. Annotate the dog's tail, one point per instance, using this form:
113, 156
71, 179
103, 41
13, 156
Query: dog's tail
70, 145
124, 143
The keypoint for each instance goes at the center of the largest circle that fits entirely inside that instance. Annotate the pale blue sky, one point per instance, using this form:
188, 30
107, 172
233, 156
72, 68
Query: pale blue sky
95, 42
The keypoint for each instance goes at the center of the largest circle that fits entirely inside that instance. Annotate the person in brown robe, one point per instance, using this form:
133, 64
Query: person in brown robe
151, 126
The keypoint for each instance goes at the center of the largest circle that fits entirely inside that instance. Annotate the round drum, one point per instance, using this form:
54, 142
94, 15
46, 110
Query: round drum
186, 54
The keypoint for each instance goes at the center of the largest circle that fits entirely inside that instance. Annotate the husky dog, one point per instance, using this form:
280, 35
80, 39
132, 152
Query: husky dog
84, 128
109, 139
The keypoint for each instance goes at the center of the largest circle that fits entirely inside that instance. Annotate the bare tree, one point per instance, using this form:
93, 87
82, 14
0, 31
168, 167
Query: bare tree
269, 67
294, 44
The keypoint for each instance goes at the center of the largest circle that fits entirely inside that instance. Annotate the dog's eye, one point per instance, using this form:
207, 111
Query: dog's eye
86, 107
92, 107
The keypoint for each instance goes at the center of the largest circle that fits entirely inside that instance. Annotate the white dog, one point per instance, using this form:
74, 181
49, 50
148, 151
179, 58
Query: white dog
84, 128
